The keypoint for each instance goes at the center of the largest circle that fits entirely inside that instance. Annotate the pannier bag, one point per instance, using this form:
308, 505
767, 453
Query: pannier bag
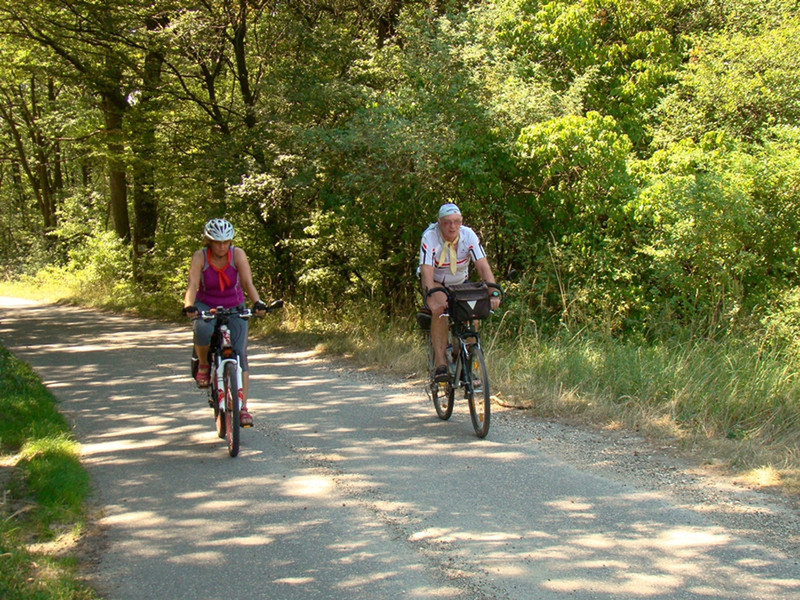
469, 301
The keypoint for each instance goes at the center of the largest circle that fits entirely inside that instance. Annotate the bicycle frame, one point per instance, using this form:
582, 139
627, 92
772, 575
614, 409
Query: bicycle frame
225, 397
466, 370
461, 332
225, 393
223, 355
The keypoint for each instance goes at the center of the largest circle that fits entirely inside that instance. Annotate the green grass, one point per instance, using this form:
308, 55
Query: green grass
730, 400
44, 489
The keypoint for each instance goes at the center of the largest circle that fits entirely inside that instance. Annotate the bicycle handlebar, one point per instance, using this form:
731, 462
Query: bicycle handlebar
213, 313
447, 292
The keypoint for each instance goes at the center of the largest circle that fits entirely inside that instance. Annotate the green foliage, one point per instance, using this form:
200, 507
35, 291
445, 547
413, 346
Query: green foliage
337, 268
29, 576
54, 475
101, 264
740, 82
33, 427
715, 230
623, 53
572, 222
702, 388
777, 180
330, 152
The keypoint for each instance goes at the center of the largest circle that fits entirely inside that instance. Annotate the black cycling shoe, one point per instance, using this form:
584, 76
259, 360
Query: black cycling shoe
440, 376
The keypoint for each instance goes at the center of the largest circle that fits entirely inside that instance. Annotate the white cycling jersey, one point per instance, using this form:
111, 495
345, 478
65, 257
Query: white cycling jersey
430, 251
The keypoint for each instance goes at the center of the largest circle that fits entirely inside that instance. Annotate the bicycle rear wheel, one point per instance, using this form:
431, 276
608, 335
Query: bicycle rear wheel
231, 385
441, 394
478, 396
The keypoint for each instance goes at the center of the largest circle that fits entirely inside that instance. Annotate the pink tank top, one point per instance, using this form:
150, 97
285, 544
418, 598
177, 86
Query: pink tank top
220, 287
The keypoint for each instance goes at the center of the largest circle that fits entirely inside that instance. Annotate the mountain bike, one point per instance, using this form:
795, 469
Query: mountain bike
466, 369
225, 388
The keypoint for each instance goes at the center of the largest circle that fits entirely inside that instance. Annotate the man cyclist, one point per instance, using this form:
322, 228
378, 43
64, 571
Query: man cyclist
446, 249
220, 275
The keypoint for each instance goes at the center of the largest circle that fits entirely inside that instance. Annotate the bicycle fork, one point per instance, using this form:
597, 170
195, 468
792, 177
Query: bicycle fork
219, 374
228, 357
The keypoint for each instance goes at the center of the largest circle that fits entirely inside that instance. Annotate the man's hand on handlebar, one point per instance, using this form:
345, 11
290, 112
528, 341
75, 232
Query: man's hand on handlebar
495, 295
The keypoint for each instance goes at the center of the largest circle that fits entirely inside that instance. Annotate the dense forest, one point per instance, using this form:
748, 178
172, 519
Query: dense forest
632, 166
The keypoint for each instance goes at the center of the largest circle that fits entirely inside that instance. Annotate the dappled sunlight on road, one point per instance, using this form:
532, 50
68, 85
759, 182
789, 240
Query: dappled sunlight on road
593, 547
307, 486
361, 473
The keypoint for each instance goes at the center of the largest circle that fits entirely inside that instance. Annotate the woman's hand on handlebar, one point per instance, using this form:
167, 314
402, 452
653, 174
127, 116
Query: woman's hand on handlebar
190, 311
260, 309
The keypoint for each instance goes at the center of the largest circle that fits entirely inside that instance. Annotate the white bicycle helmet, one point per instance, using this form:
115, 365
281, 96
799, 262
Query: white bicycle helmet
218, 230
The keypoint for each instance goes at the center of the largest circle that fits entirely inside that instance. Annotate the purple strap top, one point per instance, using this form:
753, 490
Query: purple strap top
220, 288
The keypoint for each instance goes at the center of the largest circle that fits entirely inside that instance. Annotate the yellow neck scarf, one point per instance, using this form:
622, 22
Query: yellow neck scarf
453, 248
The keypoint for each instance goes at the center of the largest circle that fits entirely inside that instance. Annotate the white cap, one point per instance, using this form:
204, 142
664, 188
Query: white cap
448, 209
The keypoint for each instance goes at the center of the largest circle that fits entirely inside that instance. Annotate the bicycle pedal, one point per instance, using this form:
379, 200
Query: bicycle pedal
246, 426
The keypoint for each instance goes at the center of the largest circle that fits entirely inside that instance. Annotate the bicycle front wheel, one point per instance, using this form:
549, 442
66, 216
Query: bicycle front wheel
231, 384
441, 394
478, 395
219, 414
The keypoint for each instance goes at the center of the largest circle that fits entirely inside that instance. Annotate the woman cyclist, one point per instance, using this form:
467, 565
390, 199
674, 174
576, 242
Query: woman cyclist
220, 275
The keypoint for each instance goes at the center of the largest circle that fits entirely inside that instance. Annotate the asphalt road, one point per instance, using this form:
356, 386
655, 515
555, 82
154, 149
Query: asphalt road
350, 487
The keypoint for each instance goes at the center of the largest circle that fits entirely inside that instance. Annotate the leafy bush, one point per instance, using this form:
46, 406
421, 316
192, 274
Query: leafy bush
716, 228
742, 83
571, 226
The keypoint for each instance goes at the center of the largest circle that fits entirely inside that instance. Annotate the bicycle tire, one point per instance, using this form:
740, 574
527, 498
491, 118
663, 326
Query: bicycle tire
442, 398
230, 383
194, 364
479, 401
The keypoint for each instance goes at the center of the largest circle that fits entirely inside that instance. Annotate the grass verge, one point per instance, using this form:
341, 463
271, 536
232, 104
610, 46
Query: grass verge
44, 488
732, 402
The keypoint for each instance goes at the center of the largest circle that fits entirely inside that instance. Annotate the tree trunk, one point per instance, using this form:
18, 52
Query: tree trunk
117, 179
387, 22
145, 201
